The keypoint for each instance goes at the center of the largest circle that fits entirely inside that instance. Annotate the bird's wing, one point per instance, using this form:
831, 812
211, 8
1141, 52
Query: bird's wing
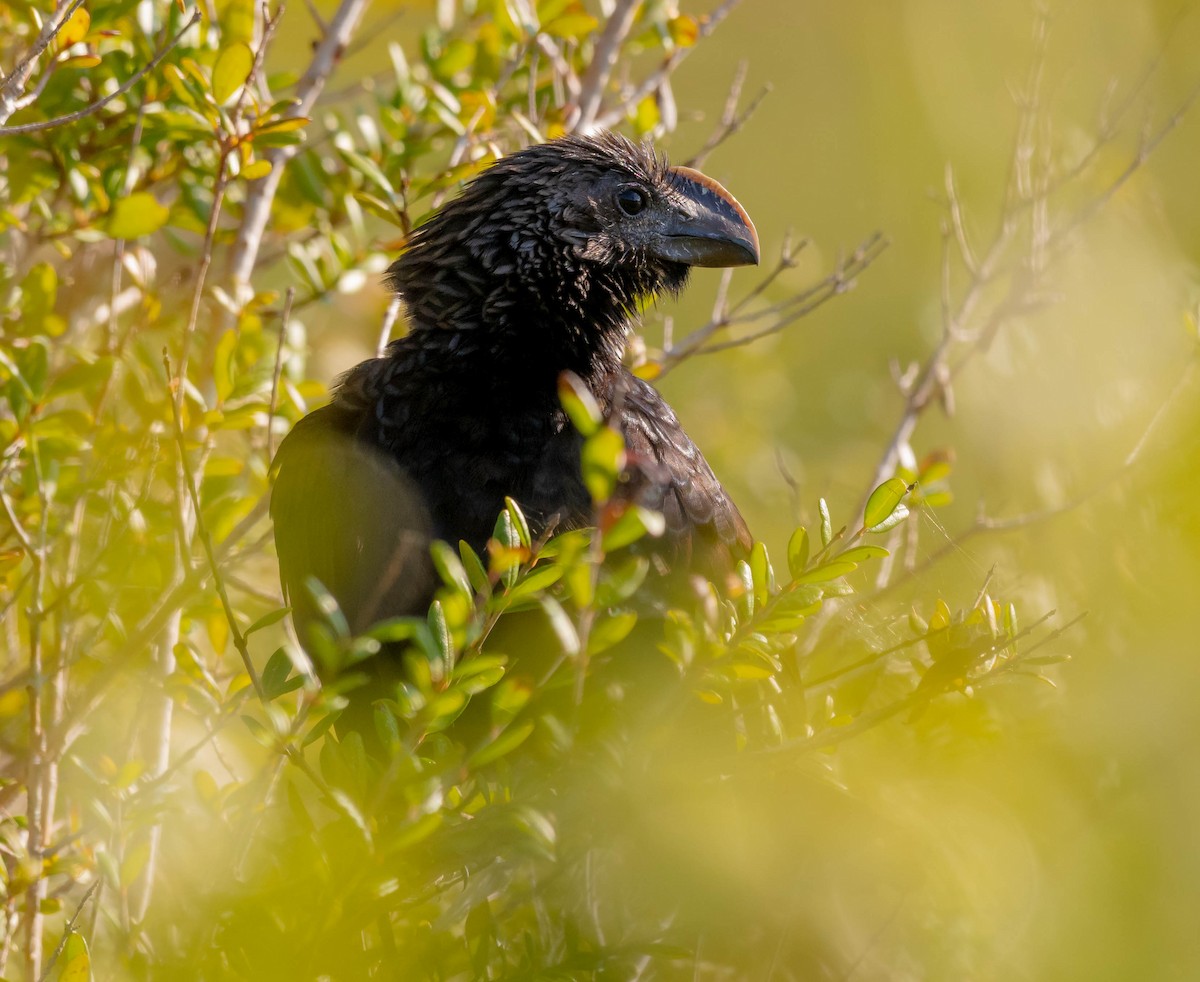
705, 531
347, 515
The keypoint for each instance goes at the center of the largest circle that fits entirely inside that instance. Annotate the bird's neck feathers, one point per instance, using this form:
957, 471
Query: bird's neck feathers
504, 271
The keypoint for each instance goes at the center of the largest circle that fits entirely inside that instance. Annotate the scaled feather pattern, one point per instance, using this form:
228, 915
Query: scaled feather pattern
536, 269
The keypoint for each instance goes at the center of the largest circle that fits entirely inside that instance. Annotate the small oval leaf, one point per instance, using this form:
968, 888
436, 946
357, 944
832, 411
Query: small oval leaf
135, 216
231, 70
797, 552
883, 502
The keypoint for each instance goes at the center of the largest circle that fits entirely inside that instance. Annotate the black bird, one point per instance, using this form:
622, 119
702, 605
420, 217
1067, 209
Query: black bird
536, 269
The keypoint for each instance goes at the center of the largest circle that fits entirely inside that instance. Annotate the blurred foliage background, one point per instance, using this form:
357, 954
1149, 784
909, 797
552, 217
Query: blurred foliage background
789, 782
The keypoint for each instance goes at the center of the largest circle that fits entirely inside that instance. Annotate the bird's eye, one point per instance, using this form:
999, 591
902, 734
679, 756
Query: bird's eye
631, 200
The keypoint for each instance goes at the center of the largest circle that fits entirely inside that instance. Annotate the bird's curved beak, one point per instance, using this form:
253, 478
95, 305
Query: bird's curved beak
710, 229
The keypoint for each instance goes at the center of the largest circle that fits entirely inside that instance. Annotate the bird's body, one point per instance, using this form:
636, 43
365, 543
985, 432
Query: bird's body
536, 270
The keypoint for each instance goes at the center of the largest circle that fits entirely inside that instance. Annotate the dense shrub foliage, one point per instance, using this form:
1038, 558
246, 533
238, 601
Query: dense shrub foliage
571, 770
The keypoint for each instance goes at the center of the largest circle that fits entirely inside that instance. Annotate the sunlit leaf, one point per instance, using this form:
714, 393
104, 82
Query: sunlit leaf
571, 25
894, 519
797, 552
519, 524
760, 569
75, 29
883, 501
858, 554
579, 403
231, 70
634, 523
826, 572
136, 215
257, 169
826, 522
75, 960
505, 743
684, 30
273, 617
602, 459
610, 631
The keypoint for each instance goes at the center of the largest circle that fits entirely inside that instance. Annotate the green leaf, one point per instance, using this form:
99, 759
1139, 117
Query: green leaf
444, 644
370, 170
635, 522
860, 553
518, 522
883, 501
387, 727
827, 571
259, 732
609, 631
602, 459
320, 728
579, 403
473, 566
450, 568
571, 25
568, 637
533, 583
274, 617
39, 294
760, 570
797, 552
275, 681
894, 519
826, 522
231, 70
76, 961
506, 742
136, 215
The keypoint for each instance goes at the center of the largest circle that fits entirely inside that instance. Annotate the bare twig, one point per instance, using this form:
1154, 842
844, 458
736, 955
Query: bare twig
777, 316
261, 194
656, 78
14, 83
604, 59
92, 108
731, 120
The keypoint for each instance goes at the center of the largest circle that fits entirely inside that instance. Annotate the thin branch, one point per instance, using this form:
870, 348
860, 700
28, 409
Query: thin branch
69, 928
261, 194
656, 78
779, 315
604, 59
92, 108
731, 120
14, 84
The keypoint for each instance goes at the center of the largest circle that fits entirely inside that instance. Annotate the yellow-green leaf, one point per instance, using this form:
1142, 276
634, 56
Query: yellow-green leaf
797, 552
260, 168
76, 962
602, 459
283, 125
827, 572
80, 61
883, 501
684, 30
231, 70
137, 215
75, 29
579, 403
571, 25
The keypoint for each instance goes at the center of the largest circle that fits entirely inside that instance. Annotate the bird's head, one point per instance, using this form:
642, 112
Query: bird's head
566, 238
